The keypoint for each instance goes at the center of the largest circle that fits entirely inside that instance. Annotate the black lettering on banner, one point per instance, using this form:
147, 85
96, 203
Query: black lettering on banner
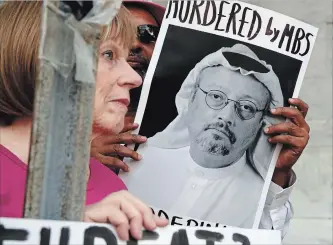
172, 3
209, 236
269, 31
180, 238
232, 17
64, 236
45, 235
220, 16
241, 238
195, 10
152, 210
173, 220
210, 12
243, 21
300, 34
308, 44
146, 235
164, 213
256, 18
168, 10
187, 12
100, 232
192, 220
12, 234
205, 23
288, 32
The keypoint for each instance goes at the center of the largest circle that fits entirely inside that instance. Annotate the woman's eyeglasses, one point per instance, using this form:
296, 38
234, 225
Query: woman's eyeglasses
148, 33
217, 100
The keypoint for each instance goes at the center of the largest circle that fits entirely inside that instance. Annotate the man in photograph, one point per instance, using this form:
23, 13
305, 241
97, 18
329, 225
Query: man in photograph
203, 165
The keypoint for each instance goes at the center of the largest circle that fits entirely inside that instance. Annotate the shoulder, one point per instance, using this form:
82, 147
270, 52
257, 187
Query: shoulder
12, 184
104, 177
102, 182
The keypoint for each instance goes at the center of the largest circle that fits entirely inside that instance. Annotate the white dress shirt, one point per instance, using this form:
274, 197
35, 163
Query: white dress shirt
164, 181
278, 209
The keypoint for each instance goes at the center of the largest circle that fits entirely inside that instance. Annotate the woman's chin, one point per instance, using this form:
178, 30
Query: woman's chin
111, 123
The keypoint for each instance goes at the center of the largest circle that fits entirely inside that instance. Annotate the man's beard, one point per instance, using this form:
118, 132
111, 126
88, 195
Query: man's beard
214, 143
212, 146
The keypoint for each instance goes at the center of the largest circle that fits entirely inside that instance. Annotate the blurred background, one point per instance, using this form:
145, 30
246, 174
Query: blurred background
312, 197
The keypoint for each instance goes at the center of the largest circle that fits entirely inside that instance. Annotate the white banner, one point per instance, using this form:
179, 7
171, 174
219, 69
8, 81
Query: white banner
45, 232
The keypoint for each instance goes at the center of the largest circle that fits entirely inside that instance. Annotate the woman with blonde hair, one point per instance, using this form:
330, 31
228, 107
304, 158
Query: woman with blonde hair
107, 198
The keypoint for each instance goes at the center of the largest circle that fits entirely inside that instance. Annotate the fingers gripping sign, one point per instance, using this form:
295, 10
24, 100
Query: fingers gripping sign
294, 135
126, 213
110, 149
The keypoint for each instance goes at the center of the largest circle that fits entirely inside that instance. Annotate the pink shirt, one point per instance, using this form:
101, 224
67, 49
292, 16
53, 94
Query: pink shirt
13, 173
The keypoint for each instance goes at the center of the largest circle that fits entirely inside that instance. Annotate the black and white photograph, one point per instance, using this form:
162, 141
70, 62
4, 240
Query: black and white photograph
210, 100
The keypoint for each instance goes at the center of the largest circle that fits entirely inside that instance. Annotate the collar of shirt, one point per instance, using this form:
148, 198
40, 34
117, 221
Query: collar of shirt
213, 173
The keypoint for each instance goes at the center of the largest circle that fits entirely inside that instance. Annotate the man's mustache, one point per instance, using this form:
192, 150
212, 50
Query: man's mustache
223, 128
138, 58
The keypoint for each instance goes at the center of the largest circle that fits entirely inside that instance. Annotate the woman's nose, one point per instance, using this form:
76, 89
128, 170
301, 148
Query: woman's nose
129, 76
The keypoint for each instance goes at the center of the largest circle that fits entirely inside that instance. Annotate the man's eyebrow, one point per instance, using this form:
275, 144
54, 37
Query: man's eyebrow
246, 96
218, 87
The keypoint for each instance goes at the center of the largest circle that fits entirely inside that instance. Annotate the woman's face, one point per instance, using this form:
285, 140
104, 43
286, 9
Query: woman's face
114, 79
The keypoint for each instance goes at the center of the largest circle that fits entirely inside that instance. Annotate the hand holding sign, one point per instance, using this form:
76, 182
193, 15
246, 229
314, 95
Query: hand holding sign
109, 149
125, 212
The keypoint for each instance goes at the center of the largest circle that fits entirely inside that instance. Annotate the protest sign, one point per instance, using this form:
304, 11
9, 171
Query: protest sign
46, 232
218, 69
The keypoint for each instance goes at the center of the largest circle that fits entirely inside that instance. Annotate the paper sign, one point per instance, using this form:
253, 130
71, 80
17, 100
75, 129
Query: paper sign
218, 69
45, 232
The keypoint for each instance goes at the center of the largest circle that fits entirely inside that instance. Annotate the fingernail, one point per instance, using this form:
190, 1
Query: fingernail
143, 138
135, 125
269, 140
291, 100
273, 110
139, 156
140, 234
266, 130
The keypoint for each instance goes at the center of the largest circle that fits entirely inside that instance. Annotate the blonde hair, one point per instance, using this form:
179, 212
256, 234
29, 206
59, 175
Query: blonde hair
20, 24
122, 29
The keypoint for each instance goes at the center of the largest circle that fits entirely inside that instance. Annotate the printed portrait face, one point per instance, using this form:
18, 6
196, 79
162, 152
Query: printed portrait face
225, 113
